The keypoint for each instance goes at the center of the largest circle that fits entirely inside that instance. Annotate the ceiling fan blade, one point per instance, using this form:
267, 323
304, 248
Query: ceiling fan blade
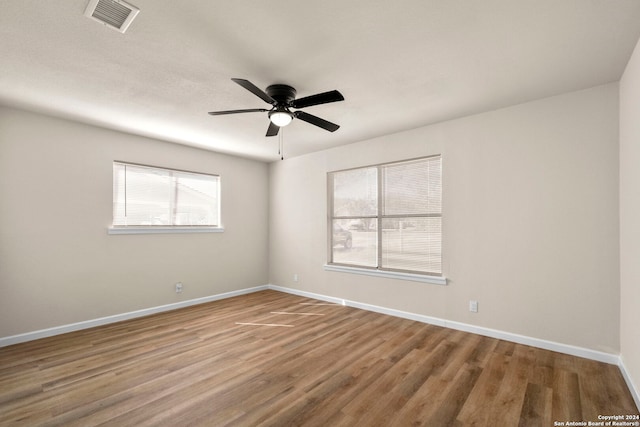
320, 98
314, 120
273, 129
255, 90
251, 110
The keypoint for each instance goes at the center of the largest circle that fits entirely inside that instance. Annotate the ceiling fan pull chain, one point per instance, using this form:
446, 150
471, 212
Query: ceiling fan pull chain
281, 141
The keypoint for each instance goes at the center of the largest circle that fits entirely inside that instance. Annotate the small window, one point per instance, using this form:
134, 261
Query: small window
158, 198
388, 217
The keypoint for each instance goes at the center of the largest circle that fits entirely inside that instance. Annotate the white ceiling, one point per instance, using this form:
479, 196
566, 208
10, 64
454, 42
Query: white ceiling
400, 65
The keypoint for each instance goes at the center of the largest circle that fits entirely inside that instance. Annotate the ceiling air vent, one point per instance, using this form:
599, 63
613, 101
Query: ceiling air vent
115, 14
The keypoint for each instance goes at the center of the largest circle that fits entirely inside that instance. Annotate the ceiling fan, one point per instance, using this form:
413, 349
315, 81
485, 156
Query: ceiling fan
283, 99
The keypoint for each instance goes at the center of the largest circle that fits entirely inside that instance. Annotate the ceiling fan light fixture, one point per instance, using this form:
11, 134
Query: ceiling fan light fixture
280, 118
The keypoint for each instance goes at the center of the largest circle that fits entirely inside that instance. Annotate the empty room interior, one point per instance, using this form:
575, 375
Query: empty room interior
320, 213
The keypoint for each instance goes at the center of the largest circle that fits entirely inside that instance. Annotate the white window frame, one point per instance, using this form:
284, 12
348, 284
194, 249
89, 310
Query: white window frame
378, 271
167, 229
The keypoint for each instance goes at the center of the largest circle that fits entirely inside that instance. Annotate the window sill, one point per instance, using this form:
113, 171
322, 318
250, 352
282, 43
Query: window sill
163, 230
437, 280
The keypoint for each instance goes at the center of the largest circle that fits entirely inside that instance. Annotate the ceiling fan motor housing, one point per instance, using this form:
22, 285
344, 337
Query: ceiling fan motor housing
283, 94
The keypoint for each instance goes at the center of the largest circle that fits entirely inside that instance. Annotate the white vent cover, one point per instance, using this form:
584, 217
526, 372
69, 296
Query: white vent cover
115, 14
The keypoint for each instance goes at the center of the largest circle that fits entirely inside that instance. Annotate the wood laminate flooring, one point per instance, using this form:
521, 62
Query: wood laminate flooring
274, 359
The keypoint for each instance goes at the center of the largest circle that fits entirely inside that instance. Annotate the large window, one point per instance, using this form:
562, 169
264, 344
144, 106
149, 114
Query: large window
151, 197
388, 217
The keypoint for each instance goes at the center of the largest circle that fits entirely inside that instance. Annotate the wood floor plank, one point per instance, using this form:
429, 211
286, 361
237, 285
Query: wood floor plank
566, 400
536, 408
334, 365
484, 392
454, 397
510, 397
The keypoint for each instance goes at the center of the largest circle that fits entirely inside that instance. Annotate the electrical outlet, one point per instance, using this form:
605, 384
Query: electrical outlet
473, 306
295, 277
178, 288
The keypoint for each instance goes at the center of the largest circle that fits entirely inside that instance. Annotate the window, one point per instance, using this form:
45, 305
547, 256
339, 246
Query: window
388, 217
152, 198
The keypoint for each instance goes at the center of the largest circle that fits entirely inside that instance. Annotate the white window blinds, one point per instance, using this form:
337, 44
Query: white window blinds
411, 216
388, 217
150, 196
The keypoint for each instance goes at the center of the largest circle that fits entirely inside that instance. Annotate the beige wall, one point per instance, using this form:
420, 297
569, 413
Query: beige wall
530, 208
57, 263
630, 217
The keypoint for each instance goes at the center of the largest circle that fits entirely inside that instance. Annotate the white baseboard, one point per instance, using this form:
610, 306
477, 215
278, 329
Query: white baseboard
610, 358
43, 333
368, 307
632, 387
507, 336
